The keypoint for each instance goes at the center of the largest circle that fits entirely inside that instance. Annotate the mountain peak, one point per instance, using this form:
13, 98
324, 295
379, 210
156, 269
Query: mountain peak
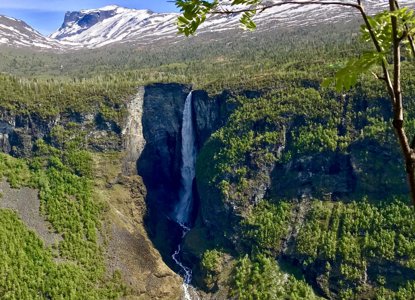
110, 7
104, 9
81, 23
101, 26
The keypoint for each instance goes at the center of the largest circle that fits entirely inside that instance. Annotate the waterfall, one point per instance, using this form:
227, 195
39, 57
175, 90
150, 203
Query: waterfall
183, 209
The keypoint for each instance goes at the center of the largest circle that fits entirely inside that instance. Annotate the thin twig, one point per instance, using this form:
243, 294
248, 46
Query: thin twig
375, 41
265, 7
410, 38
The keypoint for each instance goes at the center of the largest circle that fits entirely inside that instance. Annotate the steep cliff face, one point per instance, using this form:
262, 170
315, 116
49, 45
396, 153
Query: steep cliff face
159, 163
133, 136
6, 131
19, 132
327, 176
211, 113
369, 168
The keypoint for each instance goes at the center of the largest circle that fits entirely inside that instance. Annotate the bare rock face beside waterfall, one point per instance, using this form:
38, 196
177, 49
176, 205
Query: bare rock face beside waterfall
133, 137
129, 249
211, 113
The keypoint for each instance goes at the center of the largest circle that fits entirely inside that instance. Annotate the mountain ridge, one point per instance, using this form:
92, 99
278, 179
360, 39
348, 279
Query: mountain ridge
113, 24
17, 33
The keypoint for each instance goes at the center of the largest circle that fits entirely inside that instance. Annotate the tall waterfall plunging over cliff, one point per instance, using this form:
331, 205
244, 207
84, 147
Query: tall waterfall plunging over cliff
184, 207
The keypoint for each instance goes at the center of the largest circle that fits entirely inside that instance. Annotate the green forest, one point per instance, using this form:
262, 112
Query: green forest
352, 241
74, 267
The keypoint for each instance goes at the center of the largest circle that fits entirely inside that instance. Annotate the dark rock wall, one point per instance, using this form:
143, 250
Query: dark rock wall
160, 162
211, 113
19, 132
368, 169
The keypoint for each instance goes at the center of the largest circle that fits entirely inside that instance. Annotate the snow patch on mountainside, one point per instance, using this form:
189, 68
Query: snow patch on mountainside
17, 33
94, 28
99, 27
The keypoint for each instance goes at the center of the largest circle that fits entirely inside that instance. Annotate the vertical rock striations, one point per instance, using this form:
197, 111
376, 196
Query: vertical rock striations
133, 137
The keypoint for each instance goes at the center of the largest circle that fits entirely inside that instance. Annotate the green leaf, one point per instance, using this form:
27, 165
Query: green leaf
246, 20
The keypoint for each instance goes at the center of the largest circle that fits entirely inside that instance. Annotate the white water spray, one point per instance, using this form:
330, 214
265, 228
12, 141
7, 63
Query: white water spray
183, 208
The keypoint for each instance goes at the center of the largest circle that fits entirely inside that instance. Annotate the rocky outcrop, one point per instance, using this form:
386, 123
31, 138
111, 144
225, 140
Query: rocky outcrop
19, 131
5, 131
128, 247
327, 176
133, 136
211, 113
367, 169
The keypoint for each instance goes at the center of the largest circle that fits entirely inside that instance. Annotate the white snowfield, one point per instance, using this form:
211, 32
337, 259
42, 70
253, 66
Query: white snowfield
112, 24
17, 33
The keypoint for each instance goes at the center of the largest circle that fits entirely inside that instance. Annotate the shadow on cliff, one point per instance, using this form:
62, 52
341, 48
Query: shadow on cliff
160, 161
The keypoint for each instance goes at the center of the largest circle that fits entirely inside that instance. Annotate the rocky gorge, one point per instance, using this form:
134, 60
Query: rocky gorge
149, 137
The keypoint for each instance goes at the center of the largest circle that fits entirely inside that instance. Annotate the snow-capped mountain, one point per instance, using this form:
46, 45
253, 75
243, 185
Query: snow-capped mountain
17, 33
95, 28
113, 24
99, 27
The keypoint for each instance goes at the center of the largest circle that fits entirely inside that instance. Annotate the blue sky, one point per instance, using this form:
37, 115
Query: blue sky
47, 15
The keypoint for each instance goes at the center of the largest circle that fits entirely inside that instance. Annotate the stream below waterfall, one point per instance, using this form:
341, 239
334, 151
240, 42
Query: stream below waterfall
186, 272
183, 209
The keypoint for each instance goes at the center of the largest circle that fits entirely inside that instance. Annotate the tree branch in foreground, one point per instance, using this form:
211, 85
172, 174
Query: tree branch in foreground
265, 7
